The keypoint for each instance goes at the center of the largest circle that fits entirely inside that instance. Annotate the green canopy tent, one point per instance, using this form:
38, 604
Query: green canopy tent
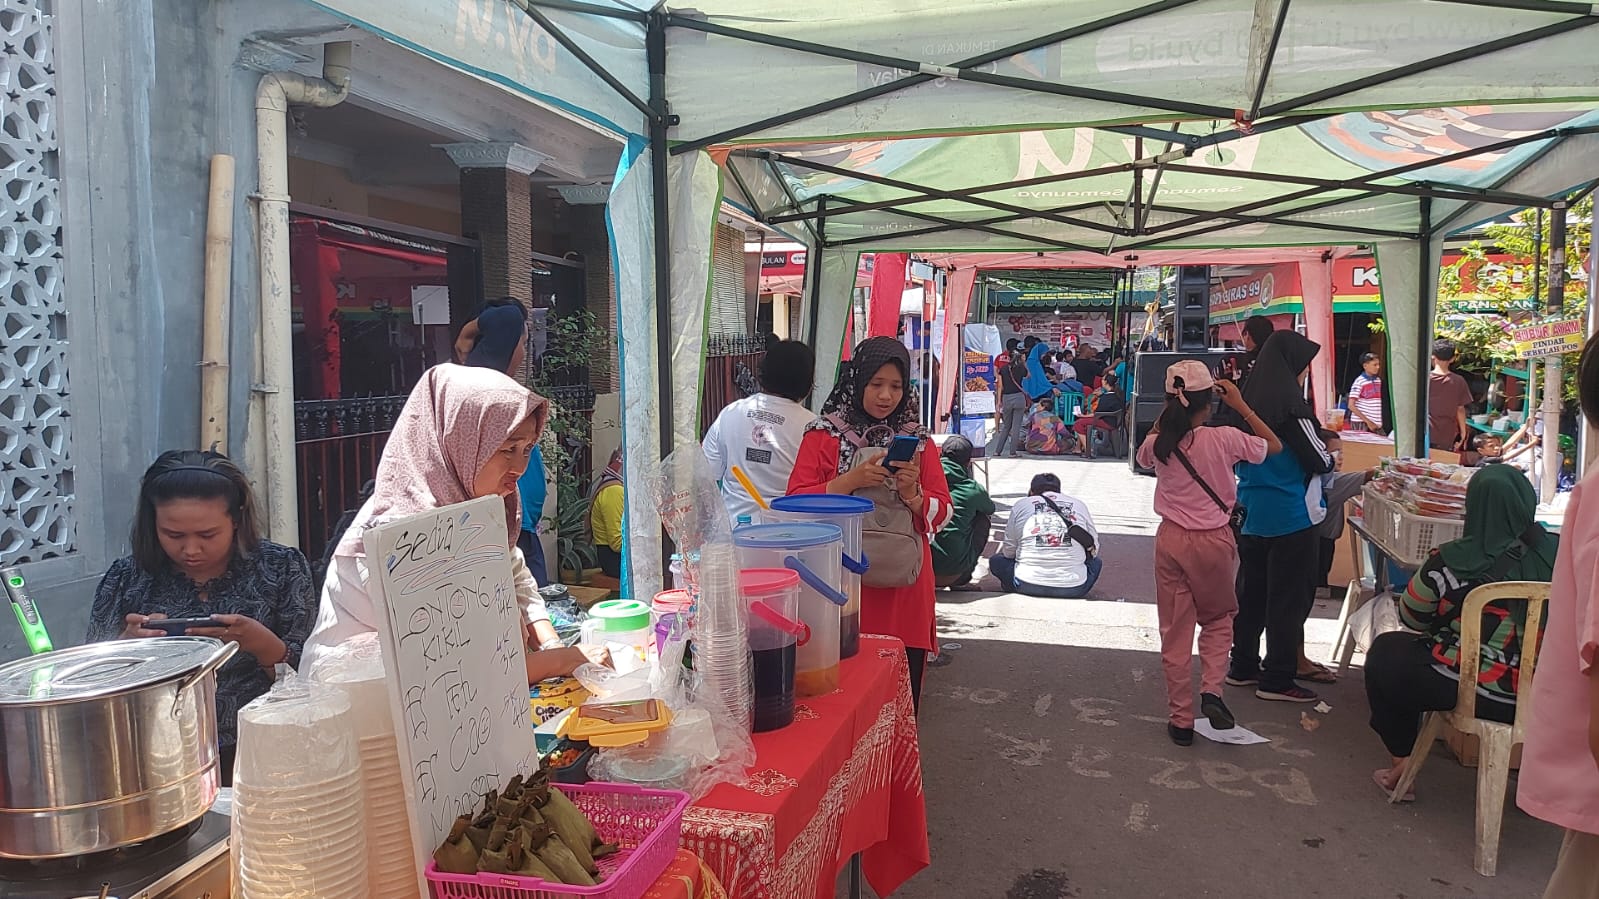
1104, 127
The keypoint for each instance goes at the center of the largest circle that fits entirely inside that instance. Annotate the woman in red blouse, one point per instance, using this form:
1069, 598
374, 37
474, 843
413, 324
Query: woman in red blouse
874, 401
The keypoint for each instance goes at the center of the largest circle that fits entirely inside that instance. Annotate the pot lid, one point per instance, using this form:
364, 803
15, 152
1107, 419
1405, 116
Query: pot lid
102, 669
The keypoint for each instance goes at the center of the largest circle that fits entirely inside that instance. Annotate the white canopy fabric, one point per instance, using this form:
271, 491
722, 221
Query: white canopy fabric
1106, 127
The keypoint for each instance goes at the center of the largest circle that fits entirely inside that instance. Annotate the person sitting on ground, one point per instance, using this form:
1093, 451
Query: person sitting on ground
1051, 547
606, 503
960, 544
1411, 673
1047, 433
761, 434
1105, 407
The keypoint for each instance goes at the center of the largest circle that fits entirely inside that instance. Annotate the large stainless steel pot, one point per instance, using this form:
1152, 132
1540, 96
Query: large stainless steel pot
107, 744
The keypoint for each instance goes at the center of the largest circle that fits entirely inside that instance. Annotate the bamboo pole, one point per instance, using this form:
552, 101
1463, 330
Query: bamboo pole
214, 326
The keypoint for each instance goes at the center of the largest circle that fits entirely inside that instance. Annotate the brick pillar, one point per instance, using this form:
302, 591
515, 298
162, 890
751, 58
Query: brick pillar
495, 210
590, 238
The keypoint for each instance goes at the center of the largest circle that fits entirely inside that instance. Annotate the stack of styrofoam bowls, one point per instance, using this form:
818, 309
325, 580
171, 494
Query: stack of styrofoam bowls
356, 667
299, 817
721, 638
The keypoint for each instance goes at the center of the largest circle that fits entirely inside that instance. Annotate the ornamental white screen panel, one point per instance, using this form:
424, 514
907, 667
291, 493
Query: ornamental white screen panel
36, 489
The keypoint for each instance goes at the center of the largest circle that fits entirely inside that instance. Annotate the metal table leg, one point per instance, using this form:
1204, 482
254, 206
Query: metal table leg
855, 876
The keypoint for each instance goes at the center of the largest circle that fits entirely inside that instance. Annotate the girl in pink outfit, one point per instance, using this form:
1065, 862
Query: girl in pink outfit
1196, 558
1560, 762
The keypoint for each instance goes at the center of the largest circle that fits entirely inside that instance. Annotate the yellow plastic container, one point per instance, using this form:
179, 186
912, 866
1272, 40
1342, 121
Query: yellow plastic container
610, 724
554, 695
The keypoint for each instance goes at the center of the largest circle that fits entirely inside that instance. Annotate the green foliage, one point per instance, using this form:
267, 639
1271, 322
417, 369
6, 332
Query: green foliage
574, 549
1482, 342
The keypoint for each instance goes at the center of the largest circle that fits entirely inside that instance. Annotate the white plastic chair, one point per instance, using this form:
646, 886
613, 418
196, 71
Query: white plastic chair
1495, 741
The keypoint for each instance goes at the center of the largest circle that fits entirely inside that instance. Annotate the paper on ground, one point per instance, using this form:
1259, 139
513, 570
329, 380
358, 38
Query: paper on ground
1237, 736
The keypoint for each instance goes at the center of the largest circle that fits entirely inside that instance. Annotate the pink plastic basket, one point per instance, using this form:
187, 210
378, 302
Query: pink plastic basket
647, 824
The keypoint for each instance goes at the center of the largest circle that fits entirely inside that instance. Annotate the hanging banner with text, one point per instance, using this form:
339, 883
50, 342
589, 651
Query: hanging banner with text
453, 644
977, 384
1549, 338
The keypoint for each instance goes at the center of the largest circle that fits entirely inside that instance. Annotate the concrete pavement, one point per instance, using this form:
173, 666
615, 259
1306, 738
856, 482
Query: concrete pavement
1048, 772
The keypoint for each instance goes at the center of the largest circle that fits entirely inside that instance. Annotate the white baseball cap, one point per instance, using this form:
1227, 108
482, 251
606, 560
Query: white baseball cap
1189, 374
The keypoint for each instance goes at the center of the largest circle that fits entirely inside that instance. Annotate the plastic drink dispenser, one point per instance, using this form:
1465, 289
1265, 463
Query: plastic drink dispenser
623, 627
775, 633
848, 513
814, 552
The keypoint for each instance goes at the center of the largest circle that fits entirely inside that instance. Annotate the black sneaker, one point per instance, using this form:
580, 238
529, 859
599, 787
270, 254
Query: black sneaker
1294, 693
1234, 680
1182, 736
1221, 717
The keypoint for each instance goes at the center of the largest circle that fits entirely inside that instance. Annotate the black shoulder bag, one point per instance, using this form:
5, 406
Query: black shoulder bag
1235, 515
1074, 531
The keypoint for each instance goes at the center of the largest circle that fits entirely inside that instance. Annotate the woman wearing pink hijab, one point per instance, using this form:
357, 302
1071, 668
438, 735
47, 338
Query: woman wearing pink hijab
464, 433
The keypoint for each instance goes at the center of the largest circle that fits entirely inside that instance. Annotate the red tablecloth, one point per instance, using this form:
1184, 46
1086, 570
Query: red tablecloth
845, 777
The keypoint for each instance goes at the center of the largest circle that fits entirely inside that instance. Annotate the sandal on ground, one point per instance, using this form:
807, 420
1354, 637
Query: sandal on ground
1388, 792
1318, 674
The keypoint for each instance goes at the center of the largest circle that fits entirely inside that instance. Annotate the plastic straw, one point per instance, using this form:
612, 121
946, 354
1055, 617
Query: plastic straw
754, 494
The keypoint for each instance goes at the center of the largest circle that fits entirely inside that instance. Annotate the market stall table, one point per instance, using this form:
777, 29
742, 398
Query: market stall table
844, 778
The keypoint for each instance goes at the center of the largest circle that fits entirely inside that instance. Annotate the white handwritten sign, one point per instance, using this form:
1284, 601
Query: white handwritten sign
453, 643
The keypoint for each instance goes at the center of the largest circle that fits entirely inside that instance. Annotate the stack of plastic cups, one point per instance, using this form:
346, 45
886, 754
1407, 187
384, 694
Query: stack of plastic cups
356, 667
299, 823
721, 639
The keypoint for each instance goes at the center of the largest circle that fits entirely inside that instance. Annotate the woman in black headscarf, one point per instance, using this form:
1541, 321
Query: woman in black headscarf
1283, 505
874, 401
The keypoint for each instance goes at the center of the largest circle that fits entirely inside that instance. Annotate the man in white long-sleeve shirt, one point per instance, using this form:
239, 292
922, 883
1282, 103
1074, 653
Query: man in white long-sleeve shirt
761, 434
1051, 546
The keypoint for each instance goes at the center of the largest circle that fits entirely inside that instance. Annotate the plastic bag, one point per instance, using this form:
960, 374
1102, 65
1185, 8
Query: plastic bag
1375, 618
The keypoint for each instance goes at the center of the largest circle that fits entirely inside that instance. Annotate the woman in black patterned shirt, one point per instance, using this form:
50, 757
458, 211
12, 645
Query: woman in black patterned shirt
198, 553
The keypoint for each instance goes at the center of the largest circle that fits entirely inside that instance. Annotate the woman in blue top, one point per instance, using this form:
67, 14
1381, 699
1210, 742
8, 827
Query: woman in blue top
1279, 539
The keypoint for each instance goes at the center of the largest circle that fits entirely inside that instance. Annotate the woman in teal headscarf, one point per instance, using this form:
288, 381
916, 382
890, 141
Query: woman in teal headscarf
1037, 383
1408, 674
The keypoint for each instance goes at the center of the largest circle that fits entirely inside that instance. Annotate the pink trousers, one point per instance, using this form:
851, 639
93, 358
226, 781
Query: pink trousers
1194, 585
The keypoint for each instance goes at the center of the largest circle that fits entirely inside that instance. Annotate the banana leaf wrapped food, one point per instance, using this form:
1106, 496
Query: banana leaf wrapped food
457, 854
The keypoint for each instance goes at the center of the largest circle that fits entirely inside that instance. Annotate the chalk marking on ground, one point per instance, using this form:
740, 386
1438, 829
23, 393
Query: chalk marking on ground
1041, 705
1138, 675
1029, 753
1093, 710
1138, 819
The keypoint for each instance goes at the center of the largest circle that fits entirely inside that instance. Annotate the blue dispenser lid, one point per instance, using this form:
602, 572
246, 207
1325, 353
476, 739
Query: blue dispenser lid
824, 504
790, 535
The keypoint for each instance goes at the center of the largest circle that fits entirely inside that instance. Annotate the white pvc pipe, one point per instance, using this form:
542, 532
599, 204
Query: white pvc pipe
275, 391
214, 357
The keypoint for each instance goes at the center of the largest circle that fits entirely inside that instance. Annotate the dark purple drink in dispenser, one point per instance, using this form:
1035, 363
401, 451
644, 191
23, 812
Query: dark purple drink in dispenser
773, 669
849, 634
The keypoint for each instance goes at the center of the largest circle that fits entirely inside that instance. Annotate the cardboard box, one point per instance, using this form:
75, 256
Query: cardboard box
1464, 748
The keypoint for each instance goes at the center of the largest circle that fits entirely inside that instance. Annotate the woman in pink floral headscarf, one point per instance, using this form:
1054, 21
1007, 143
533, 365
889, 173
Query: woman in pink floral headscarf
464, 433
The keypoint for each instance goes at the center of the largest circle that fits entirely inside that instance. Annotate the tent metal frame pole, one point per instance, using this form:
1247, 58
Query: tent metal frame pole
1283, 219
816, 283
1425, 65
951, 225
793, 201
655, 53
593, 65
964, 192
1266, 61
755, 207
1424, 331
934, 194
1208, 218
1555, 6
999, 232
592, 9
1420, 189
1540, 153
962, 67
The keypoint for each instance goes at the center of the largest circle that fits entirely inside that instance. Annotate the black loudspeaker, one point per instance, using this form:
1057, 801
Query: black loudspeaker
1192, 330
1149, 391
